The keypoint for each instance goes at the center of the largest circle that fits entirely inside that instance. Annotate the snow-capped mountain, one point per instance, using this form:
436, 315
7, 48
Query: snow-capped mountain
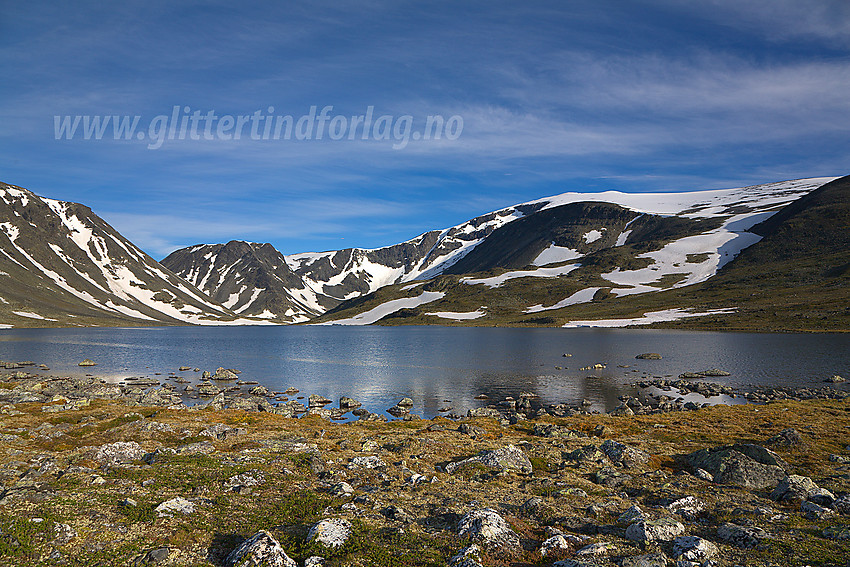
572, 252
61, 263
249, 279
575, 258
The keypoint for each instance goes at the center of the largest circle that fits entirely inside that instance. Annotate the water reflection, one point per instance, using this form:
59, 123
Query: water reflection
379, 365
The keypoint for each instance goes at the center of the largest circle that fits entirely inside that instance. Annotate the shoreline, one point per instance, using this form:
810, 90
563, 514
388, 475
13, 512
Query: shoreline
118, 481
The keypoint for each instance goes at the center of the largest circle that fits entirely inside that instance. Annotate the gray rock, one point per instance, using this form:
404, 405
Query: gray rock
814, 511
586, 454
121, 452
260, 550
508, 458
740, 536
484, 412
405, 403
331, 533
842, 505
648, 560
689, 507
632, 515
315, 401
348, 403
789, 437
155, 556
795, 489
366, 462
469, 556
749, 466
834, 379
553, 544
649, 356
174, 506
623, 454
610, 477
663, 529
342, 489
315, 561
839, 533
692, 548
487, 527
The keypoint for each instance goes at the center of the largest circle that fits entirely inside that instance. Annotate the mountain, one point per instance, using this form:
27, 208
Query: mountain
60, 264
773, 256
250, 279
610, 259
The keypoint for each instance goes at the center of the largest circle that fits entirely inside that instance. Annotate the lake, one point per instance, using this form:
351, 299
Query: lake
380, 365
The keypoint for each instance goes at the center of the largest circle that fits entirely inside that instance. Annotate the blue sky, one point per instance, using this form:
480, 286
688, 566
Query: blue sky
644, 95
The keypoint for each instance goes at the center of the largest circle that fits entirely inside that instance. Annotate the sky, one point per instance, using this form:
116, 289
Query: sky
536, 99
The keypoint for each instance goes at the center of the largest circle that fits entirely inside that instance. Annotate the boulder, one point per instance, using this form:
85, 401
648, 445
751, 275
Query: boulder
623, 454
508, 458
488, 528
121, 452
692, 548
175, 506
789, 437
740, 536
796, 489
632, 515
469, 556
746, 465
554, 544
663, 529
689, 507
260, 550
348, 403
330, 532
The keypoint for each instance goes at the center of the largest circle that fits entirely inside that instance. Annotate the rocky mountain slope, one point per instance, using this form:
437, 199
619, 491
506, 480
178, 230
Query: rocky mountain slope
606, 259
250, 279
599, 259
60, 264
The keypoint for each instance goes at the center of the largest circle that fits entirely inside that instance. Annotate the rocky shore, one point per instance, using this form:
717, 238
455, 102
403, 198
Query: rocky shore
95, 473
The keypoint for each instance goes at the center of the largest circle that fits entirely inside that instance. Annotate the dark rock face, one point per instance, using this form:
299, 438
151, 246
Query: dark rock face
746, 465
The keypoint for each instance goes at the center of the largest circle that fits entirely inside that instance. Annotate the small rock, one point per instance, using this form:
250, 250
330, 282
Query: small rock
834, 379
508, 458
155, 556
795, 489
342, 489
330, 532
623, 454
366, 462
649, 356
87, 362
787, 438
121, 452
315, 561
814, 511
688, 507
648, 560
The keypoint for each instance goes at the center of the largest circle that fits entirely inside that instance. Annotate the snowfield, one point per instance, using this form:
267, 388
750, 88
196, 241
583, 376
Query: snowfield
381, 311
647, 318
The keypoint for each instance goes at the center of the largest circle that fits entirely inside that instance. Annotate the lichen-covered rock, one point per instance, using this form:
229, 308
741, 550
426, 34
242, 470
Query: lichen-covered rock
796, 489
484, 412
332, 532
366, 462
487, 527
647, 560
553, 544
632, 515
814, 511
508, 458
175, 506
740, 536
260, 550
689, 507
469, 556
663, 529
623, 454
693, 548
742, 464
119, 453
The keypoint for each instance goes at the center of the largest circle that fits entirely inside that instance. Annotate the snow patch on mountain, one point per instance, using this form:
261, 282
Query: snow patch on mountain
377, 313
459, 316
554, 255
581, 296
497, 281
648, 318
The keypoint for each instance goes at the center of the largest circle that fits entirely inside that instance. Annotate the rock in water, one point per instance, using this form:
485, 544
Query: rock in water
88, 362
487, 527
260, 550
330, 533
649, 356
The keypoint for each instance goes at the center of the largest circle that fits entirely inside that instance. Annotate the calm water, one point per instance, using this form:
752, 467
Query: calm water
379, 365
